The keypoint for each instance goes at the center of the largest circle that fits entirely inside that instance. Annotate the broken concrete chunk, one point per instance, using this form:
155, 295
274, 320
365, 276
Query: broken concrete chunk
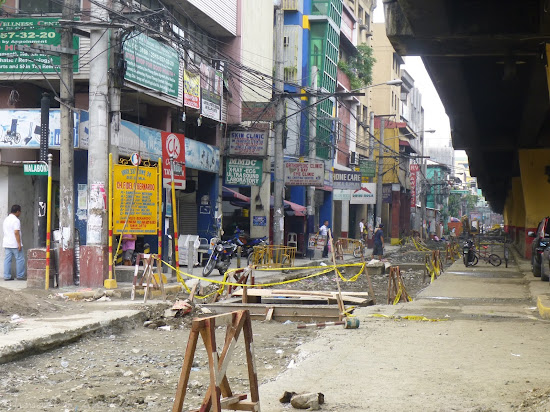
309, 401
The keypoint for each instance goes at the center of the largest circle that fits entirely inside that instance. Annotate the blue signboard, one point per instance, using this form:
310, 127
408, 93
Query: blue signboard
259, 220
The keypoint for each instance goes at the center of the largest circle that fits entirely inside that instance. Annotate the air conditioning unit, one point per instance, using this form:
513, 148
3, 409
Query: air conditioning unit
353, 159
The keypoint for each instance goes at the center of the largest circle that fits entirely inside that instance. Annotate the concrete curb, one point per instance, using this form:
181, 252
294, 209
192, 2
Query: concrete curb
48, 334
125, 292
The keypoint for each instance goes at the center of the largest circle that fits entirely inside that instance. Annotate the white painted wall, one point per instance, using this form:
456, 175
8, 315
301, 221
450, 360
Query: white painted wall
257, 44
223, 12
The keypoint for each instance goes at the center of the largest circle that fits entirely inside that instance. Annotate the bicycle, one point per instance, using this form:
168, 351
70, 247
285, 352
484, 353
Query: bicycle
487, 257
360, 250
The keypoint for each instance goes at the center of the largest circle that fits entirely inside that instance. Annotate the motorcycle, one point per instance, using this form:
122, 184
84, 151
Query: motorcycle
220, 258
246, 244
468, 253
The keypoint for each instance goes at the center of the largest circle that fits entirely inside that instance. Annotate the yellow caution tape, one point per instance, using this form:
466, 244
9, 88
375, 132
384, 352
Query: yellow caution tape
408, 317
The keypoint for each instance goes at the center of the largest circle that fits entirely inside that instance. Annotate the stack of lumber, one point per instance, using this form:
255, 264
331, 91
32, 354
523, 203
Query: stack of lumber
290, 296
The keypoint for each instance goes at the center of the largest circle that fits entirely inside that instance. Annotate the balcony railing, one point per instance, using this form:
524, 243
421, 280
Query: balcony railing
291, 4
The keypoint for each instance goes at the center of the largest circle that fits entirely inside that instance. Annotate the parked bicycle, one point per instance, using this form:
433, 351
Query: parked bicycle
360, 250
487, 257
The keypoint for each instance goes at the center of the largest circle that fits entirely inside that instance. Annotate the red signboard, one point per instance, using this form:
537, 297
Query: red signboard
173, 146
414, 168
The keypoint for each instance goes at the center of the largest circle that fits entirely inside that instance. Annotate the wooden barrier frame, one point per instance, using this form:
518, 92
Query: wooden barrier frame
219, 384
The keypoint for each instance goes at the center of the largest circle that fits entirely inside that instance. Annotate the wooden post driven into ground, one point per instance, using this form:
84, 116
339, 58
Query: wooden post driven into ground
219, 384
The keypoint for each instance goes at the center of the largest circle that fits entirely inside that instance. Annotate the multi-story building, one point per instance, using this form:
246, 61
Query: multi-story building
401, 111
196, 93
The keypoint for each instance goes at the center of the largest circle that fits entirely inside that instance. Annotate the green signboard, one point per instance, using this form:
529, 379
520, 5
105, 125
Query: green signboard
367, 168
35, 169
31, 32
244, 172
152, 64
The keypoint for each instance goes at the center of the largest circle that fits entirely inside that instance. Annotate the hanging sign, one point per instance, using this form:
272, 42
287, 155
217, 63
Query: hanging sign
244, 172
304, 174
173, 146
248, 143
367, 168
192, 89
364, 196
343, 179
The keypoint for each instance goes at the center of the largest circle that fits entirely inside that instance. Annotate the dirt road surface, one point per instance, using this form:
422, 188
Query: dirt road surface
488, 351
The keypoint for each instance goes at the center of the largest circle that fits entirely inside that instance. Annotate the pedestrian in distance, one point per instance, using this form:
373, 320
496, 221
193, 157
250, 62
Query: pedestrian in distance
362, 229
323, 231
128, 247
13, 245
378, 238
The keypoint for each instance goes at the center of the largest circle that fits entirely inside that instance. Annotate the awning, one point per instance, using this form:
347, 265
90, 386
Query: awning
293, 208
233, 194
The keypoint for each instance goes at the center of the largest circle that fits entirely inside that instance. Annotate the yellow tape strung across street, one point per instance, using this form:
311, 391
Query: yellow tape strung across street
223, 283
408, 317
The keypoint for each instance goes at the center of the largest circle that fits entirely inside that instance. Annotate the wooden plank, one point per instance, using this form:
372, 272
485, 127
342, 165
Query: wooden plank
263, 293
269, 315
245, 406
295, 301
301, 313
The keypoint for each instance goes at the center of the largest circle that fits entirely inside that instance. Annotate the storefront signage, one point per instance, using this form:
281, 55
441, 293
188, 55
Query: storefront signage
243, 172
364, 196
211, 92
304, 174
248, 143
414, 168
341, 194
151, 64
202, 156
21, 128
28, 32
316, 242
192, 89
259, 220
367, 168
35, 169
342, 179
173, 147
135, 198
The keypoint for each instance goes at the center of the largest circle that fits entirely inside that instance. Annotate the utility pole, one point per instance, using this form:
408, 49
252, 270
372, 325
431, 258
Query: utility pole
424, 185
43, 157
371, 157
66, 166
94, 262
312, 147
278, 186
380, 173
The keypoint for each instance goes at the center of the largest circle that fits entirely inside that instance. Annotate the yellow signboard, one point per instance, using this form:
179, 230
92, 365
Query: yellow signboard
135, 199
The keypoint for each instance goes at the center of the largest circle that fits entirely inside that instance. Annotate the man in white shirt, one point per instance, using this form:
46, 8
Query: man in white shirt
13, 245
362, 229
323, 231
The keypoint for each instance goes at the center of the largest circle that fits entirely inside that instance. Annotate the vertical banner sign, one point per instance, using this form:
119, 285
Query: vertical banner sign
192, 89
135, 199
173, 145
244, 172
414, 168
211, 92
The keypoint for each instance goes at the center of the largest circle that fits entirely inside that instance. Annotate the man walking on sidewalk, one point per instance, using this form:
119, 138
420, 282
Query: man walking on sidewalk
323, 231
13, 245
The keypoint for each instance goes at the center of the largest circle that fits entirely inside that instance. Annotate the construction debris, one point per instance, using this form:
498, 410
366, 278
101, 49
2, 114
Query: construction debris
311, 401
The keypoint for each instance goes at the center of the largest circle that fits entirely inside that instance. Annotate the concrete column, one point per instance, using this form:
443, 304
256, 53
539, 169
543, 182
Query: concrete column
345, 218
260, 204
507, 213
536, 190
518, 208
94, 254
395, 214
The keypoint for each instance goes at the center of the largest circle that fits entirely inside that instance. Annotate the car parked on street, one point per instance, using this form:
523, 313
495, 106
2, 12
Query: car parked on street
541, 240
545, 265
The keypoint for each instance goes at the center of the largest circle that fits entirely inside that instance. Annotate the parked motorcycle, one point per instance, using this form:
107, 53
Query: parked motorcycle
468, 253
220, 258
246, 244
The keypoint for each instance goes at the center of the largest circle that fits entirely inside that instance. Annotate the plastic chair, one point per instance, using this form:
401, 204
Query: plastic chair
292, 240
